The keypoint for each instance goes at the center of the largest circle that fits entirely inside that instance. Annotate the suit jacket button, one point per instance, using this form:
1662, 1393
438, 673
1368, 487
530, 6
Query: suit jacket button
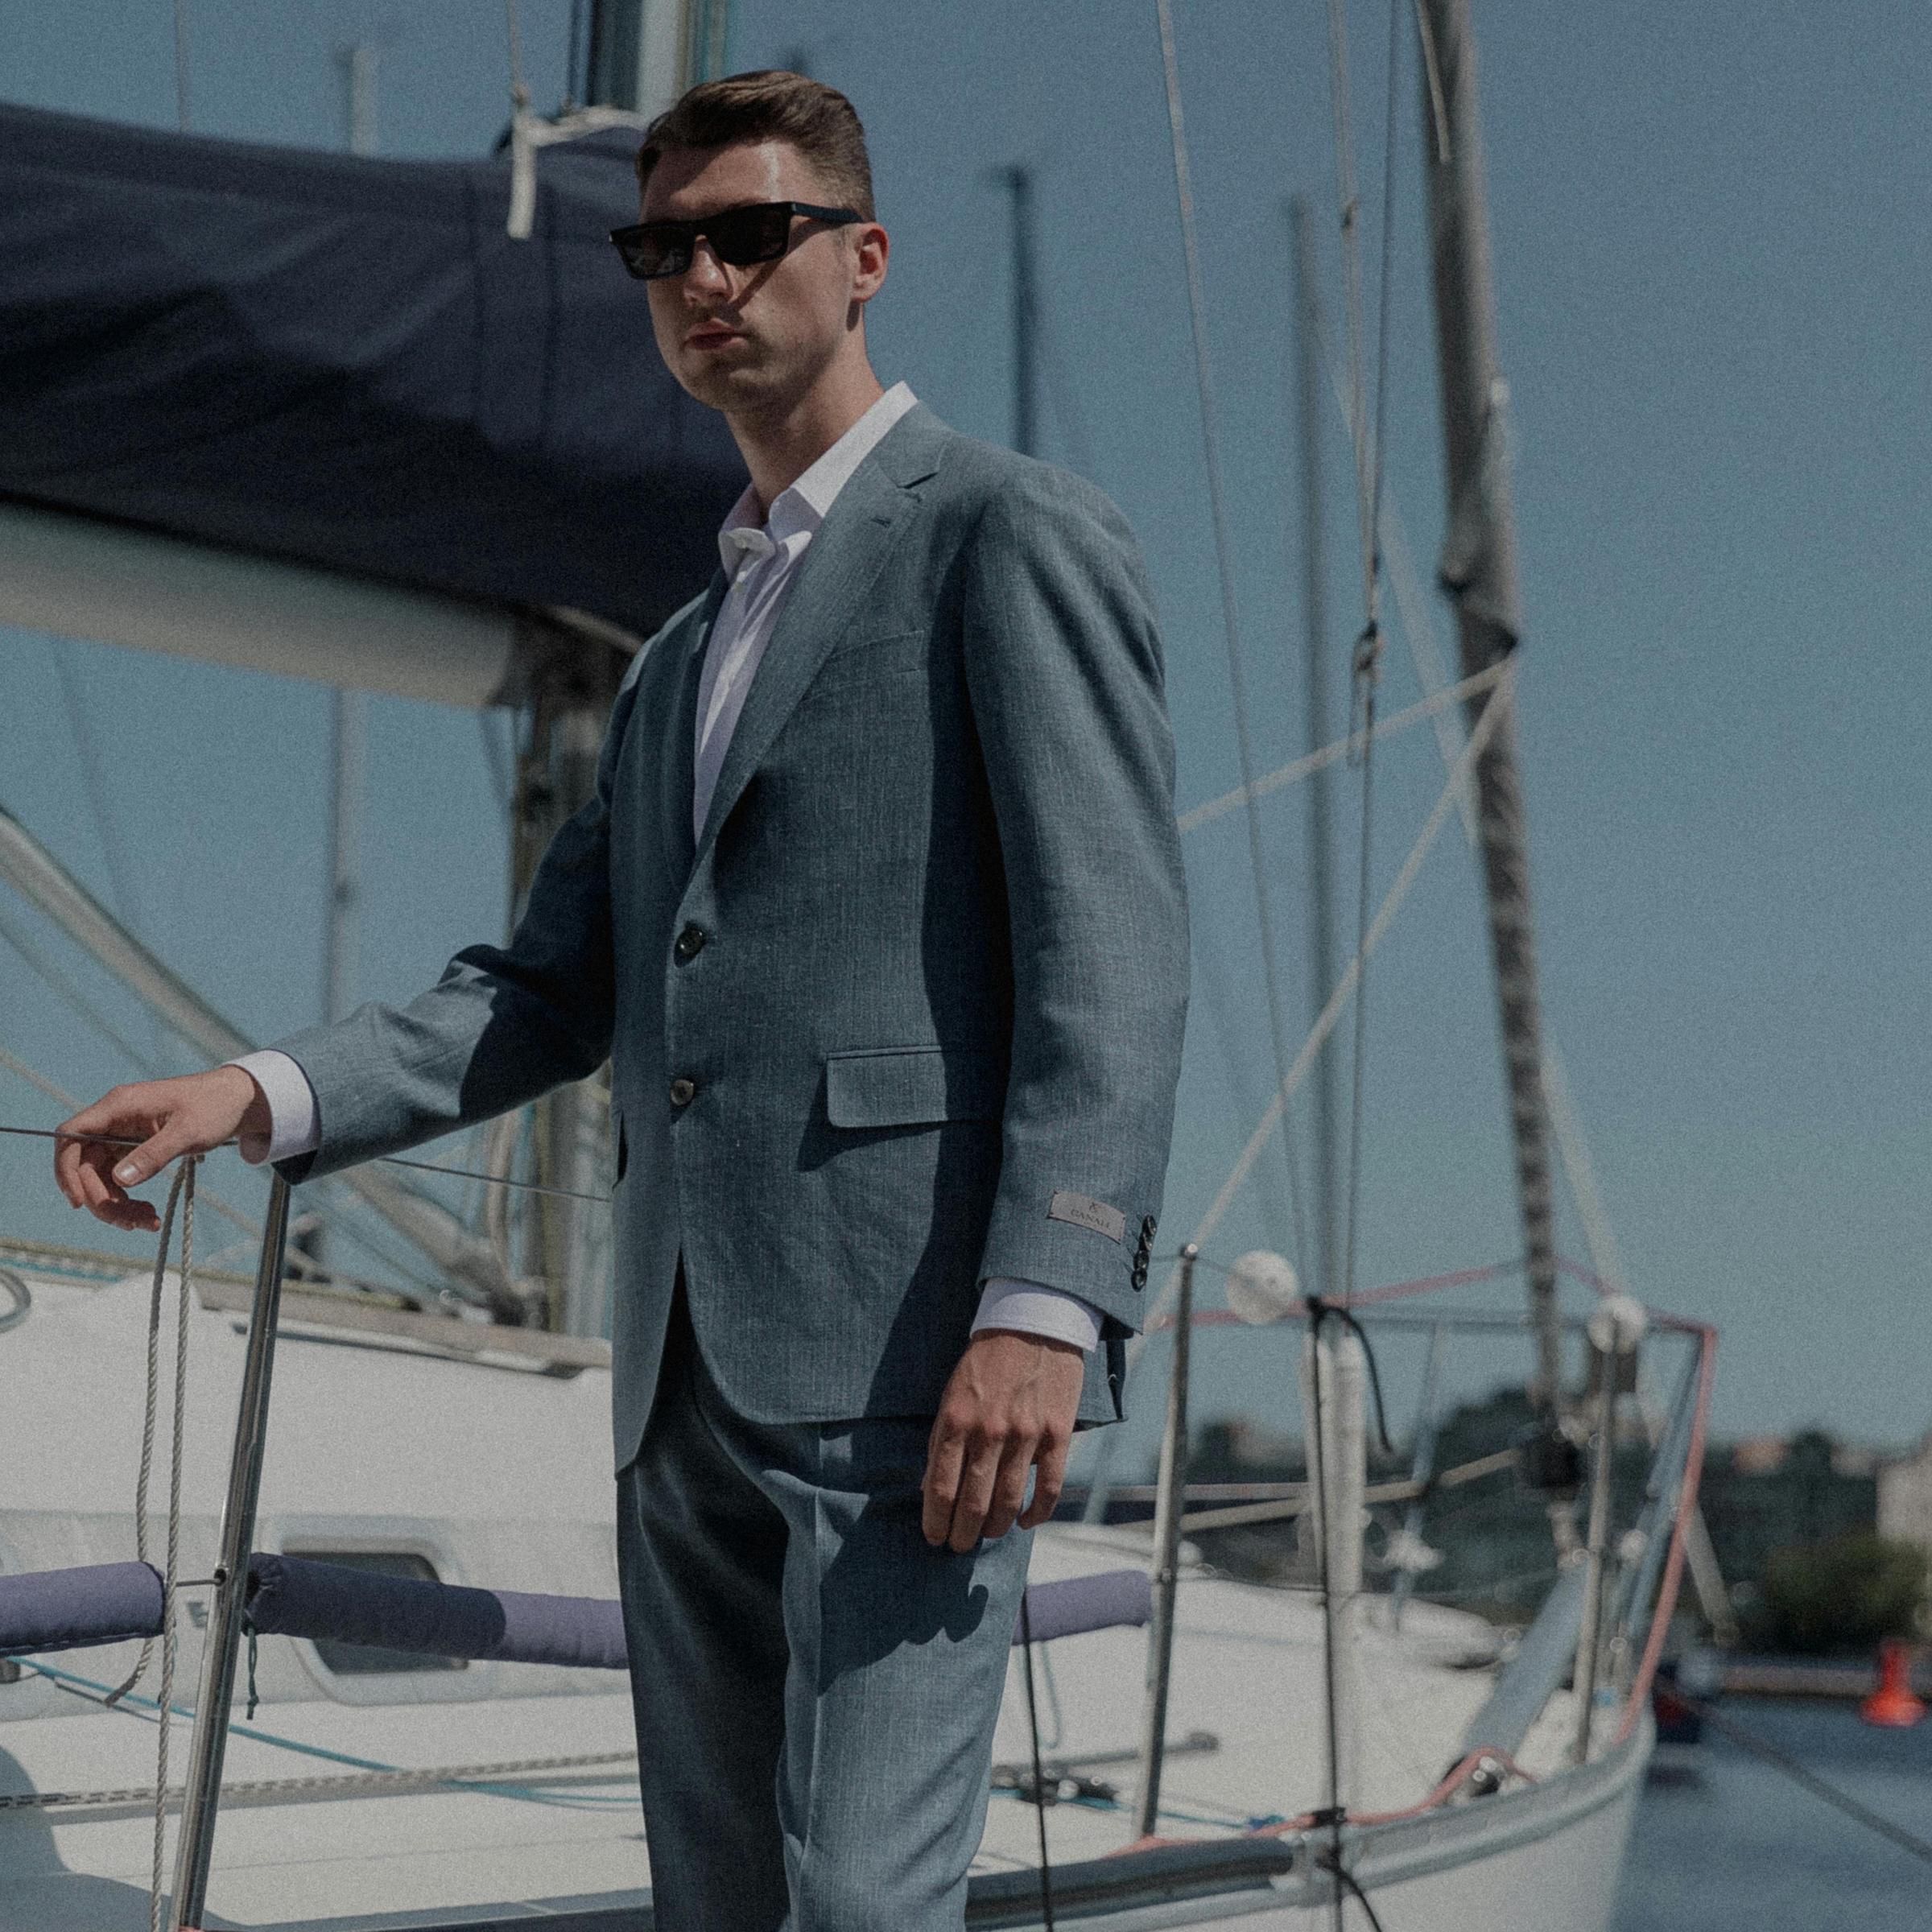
690, 944
683, 1091
1148, 1224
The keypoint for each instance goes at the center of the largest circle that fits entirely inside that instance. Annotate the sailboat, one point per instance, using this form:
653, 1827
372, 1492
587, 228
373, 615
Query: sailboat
1320, 1754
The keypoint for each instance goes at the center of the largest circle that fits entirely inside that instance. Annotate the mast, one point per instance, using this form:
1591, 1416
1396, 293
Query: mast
1025, 316
1324, 963
348, 710
1478, 572
644, 53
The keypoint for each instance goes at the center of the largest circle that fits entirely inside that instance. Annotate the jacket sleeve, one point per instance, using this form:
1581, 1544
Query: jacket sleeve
1063, 666
502, 1025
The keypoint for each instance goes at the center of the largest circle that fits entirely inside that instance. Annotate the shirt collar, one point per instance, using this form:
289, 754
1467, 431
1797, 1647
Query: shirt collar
799, 509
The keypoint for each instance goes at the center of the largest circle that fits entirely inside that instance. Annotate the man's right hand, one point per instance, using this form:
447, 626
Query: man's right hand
169, 1118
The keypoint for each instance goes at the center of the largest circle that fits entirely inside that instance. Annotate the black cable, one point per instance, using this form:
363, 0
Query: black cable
1333, 1863
1319, 1308
1039, 1781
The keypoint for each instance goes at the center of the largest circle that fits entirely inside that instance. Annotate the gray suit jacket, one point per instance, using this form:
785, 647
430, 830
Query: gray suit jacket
909, 1014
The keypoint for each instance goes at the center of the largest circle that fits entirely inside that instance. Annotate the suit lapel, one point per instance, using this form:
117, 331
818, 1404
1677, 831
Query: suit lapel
677, 759
835, 578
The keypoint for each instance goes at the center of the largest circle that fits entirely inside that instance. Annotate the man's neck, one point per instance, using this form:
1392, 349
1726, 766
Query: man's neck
779, 449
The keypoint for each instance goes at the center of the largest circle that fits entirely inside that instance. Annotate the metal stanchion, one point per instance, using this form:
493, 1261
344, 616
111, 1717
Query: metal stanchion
1615, 1328
217, 1693
1167, 1557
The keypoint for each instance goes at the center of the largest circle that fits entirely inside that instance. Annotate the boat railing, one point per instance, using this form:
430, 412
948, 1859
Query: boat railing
265, 1594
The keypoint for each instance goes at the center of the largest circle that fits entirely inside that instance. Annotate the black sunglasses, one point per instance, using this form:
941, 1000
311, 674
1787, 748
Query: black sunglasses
740, 236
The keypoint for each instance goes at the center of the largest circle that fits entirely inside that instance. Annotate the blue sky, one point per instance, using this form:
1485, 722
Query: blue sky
1713, 276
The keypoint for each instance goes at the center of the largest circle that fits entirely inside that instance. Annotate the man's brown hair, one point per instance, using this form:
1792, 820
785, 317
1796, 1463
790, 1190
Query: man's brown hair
770, 104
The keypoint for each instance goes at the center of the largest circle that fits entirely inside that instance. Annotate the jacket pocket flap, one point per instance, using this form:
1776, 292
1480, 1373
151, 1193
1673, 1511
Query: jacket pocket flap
906, 1086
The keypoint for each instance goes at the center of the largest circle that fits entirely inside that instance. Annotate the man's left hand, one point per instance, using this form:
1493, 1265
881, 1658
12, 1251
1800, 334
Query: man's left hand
1009, 1406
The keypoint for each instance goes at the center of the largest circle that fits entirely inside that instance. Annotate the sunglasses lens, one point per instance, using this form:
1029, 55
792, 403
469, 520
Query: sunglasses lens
655, 249
744, 235
739, 235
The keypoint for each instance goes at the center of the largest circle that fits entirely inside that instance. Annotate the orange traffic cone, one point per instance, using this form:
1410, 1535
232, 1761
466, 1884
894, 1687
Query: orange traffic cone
1893, 1702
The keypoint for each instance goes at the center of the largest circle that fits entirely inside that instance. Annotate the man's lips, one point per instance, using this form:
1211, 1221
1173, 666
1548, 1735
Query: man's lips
709, 335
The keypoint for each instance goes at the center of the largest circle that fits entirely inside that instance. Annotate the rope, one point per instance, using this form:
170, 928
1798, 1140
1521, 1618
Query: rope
147, 1420
184, 1183
1197, 309
180, 1195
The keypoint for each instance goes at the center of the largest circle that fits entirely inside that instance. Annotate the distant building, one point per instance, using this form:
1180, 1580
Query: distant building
1904, 1496
1759, 1455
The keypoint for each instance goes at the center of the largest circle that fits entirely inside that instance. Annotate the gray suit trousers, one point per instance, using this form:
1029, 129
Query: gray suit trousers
816, 1687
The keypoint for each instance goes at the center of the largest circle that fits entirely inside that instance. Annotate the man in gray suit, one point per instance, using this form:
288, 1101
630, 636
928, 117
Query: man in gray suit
877, 913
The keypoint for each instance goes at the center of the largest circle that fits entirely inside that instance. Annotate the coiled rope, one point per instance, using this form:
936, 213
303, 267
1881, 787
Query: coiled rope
180, 1195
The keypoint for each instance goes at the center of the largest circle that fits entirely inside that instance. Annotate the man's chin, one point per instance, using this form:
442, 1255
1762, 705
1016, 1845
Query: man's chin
719, 385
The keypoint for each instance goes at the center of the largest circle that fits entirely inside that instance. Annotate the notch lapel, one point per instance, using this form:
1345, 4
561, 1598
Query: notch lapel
835, 577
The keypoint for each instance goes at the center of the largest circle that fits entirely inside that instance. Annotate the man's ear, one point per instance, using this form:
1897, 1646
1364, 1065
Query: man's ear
872, 248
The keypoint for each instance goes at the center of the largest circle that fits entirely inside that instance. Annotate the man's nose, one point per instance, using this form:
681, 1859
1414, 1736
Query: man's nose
706, 274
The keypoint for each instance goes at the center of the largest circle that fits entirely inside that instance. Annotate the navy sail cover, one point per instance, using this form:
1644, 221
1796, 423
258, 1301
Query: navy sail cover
348, 362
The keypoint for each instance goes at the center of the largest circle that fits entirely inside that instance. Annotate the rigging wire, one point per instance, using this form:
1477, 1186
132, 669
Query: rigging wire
56, 984
1197, 309
577, 60
126, 899
1370, 437
127, 902
1440, 700
519, 94
181, 112
1392, 902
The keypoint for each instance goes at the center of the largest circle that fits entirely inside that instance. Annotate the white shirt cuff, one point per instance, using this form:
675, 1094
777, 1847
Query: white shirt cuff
1033, 1309
294, 1122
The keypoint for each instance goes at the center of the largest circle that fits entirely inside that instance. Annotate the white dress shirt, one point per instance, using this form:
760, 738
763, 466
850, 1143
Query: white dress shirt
761, 557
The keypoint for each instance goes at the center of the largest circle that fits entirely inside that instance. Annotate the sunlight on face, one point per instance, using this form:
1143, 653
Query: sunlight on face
751, 340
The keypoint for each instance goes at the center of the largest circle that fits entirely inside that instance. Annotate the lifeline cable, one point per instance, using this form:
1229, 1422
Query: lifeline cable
386, 1160
1039, 1784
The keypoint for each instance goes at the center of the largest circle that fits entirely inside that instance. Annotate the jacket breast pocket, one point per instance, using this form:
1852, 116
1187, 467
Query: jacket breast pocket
912, 1086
